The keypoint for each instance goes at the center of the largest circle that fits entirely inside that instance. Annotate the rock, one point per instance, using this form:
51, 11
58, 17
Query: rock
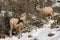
29, 36
50, 34
35, 39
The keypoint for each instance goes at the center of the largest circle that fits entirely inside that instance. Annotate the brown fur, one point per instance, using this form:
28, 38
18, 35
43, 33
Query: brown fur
13, 24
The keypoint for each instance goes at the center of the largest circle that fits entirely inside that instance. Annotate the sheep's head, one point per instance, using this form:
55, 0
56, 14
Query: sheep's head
23, 16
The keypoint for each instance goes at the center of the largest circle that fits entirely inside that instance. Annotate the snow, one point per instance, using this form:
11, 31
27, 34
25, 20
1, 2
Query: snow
56, 4
3, 12
10, 13
48, 24
55, 14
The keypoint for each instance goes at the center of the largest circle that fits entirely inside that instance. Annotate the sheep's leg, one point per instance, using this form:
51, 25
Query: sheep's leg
50, 17
11, 30
20, 32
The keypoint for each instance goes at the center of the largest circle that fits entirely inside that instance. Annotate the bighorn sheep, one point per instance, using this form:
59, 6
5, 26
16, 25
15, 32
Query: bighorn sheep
14, 24
47, 11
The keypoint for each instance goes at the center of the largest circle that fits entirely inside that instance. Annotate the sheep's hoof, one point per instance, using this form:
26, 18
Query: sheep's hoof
18, 37
21, 35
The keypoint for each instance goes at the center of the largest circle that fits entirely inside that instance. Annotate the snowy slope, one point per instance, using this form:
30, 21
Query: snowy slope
39, 34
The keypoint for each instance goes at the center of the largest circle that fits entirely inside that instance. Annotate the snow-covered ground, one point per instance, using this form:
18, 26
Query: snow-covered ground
39, 34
